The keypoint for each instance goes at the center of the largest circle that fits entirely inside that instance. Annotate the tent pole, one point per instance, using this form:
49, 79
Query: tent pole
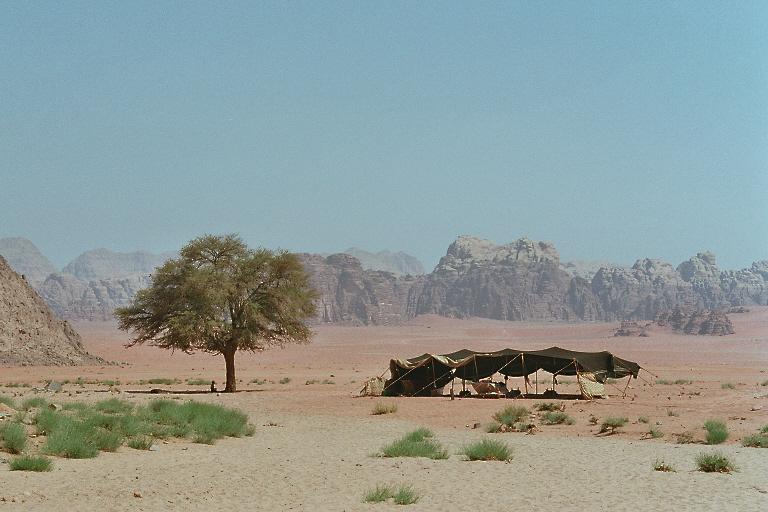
463, 385
624, 393
525, 375
537, 382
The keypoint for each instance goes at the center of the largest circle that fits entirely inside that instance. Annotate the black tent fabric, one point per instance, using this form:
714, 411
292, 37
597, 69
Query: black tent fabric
423, 374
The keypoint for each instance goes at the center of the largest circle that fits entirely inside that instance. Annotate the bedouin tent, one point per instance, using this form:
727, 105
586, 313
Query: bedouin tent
423, 374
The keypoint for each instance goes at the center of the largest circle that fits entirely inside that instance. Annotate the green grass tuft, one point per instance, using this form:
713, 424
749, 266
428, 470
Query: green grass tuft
487, 449
611, 424
655, 433
643, 419
511, 414
378, 494
663, 382
198, 382
71, 439
5, 399
681, 382
113, 406
549, 406
405, 495
755, 441
714, 462
717, 432
31, 463
727, 385
163, 380
383, 408
34, 402
556, 418
14, 437
418, 443
140, 442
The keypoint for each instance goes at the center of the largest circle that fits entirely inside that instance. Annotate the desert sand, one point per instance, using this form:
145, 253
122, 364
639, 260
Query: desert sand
314, 442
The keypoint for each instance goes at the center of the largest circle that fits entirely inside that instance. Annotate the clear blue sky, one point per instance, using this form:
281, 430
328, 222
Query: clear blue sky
617, 130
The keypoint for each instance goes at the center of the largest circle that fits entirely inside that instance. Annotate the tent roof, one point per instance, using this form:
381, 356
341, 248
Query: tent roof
471, 365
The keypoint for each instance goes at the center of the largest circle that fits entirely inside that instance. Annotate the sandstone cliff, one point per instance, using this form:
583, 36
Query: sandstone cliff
29, 332
701, 322
103, 264
24, 258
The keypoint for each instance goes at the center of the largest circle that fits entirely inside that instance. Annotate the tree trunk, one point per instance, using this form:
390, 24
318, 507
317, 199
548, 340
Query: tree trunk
229, 361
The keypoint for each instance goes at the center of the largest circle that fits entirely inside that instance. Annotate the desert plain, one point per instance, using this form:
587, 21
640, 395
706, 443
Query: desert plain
316, 441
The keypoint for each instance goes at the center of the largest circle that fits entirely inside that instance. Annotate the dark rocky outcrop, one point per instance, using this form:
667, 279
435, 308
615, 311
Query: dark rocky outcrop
398, 263
29, 332
699, 321
630, 328
25, 259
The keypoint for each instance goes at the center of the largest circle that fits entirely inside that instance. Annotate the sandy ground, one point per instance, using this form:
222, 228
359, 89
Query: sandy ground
313, 445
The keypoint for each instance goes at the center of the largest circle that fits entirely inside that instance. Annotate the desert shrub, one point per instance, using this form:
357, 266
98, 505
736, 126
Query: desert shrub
493, 428
17, 385
14, 437
258, 382
643, 419
673, 413
418, 443
383, 408
311, 381
727, 385
685, 438
378, 494
663, 382
714, 462
681, 382
36, 401
764, 429
113, 406
717, 432
198, 382
328, 381
660, 465
612, 423
655, 433
71, 439
755, 441
285, 380
105, 440
556, 418
30, 463
549, 406
140, 442
511, 414
5, 399
405, 495
487, 449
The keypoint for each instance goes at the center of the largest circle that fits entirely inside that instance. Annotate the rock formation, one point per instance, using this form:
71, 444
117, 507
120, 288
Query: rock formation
518, 281
702, 322
103, 264
29, 332
350, 295
24, 258
398, 263
630, 328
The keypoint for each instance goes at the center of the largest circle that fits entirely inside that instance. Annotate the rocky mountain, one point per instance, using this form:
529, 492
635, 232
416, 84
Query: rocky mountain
521, 280
518, 281
351, 295
29, 333
75, 299
26, 259
586, 269
103, 264
398, 263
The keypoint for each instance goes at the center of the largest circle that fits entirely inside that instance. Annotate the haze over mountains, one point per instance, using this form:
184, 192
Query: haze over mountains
522, 280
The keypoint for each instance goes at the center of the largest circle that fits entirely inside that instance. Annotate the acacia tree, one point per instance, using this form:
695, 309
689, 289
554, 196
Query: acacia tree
219, 297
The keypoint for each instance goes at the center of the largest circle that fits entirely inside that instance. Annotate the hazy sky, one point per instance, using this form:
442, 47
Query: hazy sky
617, 130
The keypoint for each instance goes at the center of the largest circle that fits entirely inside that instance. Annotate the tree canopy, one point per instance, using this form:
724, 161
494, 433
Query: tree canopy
219, 296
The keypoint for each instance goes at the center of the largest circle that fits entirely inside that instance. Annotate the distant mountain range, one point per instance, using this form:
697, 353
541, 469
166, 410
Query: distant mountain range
522, 280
